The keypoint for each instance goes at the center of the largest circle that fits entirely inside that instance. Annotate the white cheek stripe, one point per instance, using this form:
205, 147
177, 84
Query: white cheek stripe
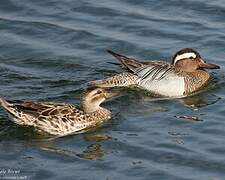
183, 56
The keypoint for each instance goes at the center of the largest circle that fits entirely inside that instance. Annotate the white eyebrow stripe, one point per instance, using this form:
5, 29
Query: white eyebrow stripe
183, 56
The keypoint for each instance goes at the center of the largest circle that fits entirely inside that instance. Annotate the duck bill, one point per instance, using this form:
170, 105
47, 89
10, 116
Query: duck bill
209, 66
111, 94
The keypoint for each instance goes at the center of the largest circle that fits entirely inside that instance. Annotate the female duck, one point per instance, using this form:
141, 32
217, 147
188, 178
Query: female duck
58, 118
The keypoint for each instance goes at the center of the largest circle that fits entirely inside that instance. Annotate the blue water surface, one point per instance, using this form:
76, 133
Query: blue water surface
50, 49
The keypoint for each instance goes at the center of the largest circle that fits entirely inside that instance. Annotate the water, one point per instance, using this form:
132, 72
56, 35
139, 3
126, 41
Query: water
50, 49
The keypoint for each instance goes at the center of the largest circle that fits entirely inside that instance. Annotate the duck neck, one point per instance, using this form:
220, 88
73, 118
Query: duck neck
89, 107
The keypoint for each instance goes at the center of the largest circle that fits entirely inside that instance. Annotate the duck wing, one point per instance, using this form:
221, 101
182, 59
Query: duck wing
26, 112
155, 71
142, 72
131, 63
140, 75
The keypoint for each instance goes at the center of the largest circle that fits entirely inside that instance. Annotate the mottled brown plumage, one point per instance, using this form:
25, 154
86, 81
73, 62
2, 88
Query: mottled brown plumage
59, 118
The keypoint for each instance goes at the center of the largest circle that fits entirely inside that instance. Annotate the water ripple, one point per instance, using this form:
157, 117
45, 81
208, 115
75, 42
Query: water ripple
50, 49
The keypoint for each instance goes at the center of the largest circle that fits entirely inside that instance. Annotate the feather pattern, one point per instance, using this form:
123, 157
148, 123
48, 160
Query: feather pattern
54, 118
186, 74
156, 71
160, 78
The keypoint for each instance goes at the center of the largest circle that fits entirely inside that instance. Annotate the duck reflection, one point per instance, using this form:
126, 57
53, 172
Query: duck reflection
195, 101
199, 101
96, 137
92, 152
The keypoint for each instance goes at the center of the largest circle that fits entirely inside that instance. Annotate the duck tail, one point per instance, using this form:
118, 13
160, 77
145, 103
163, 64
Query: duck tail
125, 62
3, 102
120, 80
6, 105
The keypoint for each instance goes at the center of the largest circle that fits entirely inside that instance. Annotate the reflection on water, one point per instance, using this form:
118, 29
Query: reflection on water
96, 137
45, 142
92, 152
199, 101
187, 117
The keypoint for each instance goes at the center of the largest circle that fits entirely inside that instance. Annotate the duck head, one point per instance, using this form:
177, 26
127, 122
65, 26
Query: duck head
93, 97
190, 60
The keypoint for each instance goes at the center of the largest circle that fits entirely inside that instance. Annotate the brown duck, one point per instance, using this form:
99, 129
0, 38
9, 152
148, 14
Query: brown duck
58, 118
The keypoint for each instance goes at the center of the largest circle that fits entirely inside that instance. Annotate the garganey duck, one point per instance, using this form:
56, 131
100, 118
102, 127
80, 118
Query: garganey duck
185, 75
58, 118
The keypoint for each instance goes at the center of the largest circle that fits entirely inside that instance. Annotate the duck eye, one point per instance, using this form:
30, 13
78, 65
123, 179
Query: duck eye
99, 92
191, 57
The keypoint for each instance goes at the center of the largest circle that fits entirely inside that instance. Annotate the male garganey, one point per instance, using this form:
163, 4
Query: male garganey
59, 118
185, 75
